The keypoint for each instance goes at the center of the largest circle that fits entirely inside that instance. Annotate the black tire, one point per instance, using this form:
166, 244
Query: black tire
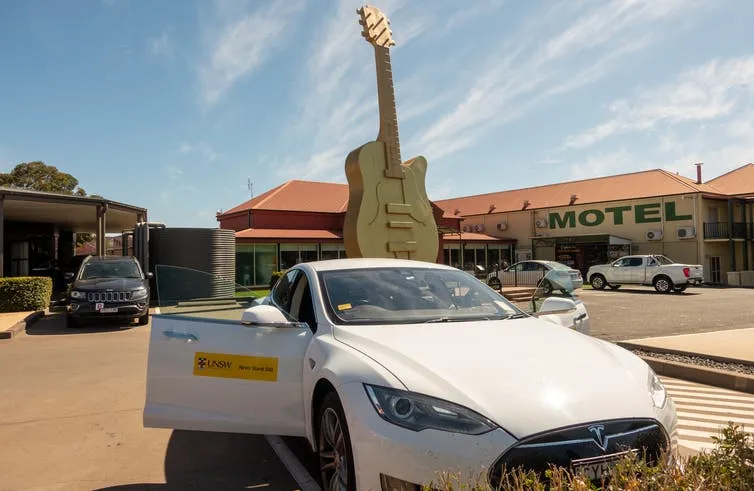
143, 320
680, 288
327, 453
614, 287
494, 283
598, 282
663, 284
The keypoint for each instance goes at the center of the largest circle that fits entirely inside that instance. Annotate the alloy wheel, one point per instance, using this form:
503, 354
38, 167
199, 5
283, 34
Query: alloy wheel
333, 457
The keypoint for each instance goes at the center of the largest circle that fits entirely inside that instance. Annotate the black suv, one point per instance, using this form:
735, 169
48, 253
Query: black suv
108, 287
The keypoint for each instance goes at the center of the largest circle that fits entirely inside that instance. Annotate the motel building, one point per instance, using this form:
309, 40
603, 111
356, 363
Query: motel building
578, 223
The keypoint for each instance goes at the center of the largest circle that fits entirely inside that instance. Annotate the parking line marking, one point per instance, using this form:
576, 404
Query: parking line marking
294, 466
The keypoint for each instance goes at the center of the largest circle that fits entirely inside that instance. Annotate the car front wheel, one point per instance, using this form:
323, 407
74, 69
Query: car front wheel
334, 446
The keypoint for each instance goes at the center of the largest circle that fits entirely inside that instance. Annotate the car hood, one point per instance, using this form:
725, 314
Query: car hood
121, 284
527, 375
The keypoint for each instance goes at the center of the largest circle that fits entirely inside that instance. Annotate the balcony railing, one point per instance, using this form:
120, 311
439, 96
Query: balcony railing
721, 230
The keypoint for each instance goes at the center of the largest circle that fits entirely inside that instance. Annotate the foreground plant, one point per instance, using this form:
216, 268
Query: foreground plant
729, 466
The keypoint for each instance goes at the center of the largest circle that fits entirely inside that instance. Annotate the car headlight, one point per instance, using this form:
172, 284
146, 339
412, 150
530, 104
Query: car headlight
140, 292
656, 390
419, 412
78, 294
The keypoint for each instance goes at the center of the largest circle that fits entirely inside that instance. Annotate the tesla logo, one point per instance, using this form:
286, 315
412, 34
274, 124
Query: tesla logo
599, 436
201, 362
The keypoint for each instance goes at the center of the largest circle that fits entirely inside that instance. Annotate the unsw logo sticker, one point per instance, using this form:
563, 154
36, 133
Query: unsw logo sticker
225, 365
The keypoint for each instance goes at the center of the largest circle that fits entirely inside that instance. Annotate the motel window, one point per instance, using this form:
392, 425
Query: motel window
292, 254
474, 255
255, 263
498, 256
451, 255
332, 251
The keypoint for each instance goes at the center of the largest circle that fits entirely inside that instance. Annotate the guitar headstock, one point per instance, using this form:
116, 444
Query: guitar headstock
376, 26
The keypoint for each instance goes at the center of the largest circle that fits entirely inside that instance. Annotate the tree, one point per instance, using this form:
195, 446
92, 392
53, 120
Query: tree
38, 176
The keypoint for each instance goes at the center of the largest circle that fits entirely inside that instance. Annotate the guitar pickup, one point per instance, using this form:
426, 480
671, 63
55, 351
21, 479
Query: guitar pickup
401, 246
398, 208
399, 224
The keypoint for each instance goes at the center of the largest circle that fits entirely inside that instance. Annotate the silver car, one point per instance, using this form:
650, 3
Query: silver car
530, 273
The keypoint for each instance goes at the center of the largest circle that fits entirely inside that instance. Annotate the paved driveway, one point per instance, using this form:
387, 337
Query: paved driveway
70, 418
641, 312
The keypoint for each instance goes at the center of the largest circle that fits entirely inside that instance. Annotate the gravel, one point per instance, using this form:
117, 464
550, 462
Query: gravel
699, 361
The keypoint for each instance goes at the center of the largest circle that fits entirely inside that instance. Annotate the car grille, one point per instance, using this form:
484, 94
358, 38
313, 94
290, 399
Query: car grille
564, 446
108, 297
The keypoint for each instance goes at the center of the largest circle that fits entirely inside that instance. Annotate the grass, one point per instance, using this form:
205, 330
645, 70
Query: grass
252, 293
727, 467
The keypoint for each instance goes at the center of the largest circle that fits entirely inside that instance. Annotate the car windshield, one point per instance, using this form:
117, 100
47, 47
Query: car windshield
396, 295
664, 260
110, 269
560, 266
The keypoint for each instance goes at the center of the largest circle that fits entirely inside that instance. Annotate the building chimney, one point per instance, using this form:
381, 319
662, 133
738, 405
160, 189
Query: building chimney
699, 172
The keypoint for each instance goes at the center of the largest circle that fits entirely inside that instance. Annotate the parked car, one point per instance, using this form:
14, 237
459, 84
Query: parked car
395, 370
657, 270
108, 287
531, 273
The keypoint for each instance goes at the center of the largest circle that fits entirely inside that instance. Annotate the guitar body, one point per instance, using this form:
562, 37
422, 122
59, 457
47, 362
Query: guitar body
387, 216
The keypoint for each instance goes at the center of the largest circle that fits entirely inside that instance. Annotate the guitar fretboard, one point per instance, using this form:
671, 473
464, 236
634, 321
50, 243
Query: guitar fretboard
388, 113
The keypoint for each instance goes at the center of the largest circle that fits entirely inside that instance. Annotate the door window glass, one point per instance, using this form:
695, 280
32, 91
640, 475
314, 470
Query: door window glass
635, 261
282, 293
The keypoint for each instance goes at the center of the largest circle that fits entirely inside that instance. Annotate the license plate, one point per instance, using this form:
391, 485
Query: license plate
595, 468
110, 310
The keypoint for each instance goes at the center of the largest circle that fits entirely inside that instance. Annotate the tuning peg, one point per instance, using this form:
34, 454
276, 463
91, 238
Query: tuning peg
361, 22
360, 11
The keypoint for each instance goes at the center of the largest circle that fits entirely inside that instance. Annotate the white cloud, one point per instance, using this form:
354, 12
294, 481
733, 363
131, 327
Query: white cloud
161, 45
701, 94
242, 43
508, 86
200, 148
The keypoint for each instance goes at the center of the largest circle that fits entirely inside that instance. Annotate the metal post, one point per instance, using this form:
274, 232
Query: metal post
98, 251
730, 236
2, 235
746, 236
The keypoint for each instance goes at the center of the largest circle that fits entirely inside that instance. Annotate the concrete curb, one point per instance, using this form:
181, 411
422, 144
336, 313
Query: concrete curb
702, 375
22, 324
670, 351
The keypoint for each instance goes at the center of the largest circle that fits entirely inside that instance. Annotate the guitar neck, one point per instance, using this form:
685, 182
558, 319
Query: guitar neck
388, 115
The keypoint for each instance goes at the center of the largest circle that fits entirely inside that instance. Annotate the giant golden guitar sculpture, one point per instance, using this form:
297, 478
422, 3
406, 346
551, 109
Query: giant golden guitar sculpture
389, 214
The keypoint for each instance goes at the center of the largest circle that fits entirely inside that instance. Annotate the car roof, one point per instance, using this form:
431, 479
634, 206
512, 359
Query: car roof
361, 263
109, 258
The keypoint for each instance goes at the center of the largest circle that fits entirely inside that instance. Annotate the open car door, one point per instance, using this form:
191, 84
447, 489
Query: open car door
208, 371
554, 300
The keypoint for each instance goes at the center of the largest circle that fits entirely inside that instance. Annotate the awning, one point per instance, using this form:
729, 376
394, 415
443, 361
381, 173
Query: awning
585, 238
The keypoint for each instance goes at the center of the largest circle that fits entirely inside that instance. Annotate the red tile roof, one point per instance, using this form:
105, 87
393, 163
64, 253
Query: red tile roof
274, 233
473, 237
643, 184
738, 181
309, 196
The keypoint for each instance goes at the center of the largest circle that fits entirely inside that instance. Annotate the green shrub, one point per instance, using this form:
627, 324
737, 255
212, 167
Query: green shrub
23, 293
276, 275
728, 467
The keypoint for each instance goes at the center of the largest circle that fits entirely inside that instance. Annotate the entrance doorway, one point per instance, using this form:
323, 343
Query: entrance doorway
19, 258
714, 269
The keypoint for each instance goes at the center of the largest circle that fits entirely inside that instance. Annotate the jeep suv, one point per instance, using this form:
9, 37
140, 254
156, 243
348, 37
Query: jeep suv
108, 287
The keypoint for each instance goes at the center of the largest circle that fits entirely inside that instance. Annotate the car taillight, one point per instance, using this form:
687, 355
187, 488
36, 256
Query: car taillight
686, 272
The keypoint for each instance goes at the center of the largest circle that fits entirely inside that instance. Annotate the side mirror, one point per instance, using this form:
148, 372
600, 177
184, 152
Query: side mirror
556, 305
267, 316
68, 276
150, 275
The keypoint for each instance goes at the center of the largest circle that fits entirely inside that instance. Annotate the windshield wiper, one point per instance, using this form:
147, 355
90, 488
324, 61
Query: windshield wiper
516, 316
441, 319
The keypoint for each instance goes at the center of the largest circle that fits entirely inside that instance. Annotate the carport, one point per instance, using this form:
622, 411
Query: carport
37, 228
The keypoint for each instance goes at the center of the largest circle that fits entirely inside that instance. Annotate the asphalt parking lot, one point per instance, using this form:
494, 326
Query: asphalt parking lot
639, 311
71, 401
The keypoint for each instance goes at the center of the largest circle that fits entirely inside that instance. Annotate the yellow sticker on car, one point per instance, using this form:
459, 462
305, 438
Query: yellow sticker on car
344, 306
236, 366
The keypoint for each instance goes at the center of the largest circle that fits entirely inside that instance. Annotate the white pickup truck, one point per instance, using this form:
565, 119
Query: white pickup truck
656, 270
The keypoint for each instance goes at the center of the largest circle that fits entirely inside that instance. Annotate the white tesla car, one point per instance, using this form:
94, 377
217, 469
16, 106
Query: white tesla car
396, 371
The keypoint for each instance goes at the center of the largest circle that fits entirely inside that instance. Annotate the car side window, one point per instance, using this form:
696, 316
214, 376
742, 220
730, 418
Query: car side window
302, 306
635, 261
651, 261
283, 290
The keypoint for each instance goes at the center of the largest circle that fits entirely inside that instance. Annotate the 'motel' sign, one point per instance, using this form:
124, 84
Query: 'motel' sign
646, 213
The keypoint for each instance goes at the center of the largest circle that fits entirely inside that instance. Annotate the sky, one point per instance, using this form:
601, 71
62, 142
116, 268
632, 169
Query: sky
176, 106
